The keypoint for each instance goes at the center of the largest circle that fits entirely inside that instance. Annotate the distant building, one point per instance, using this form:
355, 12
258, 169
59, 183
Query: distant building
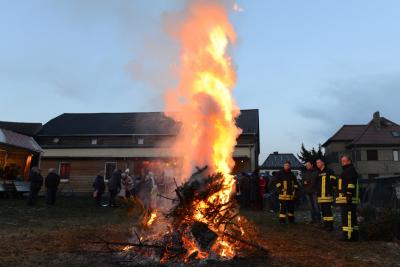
275, 161
81, 145
374, 147
18, 150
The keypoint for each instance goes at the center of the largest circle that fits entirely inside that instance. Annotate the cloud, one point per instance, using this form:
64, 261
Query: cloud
352, 100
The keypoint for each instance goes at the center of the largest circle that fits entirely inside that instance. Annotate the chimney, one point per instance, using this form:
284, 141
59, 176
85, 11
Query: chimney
377, 120
276, 152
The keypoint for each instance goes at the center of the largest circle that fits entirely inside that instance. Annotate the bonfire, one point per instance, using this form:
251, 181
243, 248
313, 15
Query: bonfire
202, 221
200, 227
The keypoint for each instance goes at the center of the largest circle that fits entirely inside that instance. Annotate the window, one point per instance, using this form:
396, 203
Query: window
109, 169
372, 154
396, 155
65, 170
396, 133
94, 141
140, 141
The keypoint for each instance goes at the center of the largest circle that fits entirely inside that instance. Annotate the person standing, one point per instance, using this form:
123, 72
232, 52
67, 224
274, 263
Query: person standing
287, 186
262, 184
114, 185
254, 190
36, 182
126, 186
310, 177
348, 199
273, 194
326, 181
99, 188
51, 183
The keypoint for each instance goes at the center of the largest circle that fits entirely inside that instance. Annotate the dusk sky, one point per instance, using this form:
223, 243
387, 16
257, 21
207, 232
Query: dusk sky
308, 66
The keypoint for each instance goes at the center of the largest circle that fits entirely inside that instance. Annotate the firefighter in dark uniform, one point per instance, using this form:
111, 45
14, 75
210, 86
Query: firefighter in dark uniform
348, 199
287, 187
326, 181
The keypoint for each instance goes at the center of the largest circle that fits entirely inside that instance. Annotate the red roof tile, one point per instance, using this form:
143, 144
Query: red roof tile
347, 133
383, 135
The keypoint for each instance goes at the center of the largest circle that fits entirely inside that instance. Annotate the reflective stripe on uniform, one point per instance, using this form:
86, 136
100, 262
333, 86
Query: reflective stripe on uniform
282, 215
323, 186
340, 184
346, 228
341, 200
325, 199
328, 219
278, 184
333, 177
286, 197
352, 186
350, 229
290, 214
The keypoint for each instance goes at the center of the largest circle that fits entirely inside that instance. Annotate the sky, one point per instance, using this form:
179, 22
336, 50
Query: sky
309, 66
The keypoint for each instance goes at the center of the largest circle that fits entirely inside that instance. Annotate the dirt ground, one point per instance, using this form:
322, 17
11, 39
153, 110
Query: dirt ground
64, 235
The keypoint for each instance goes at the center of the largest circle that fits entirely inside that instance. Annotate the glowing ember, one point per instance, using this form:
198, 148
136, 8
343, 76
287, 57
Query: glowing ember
152, 218
126, 248
192, 248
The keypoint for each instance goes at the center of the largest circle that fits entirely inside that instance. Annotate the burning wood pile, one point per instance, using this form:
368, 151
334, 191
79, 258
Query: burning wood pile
201, 226
203, 222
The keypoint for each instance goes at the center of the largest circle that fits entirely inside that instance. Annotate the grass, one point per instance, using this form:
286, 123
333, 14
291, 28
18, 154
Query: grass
307, 245
58, 235
63, 235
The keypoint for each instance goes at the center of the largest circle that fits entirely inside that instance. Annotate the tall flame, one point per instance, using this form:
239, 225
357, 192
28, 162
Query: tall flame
206, 108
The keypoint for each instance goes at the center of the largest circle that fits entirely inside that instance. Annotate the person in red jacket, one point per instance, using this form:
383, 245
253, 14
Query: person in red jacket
262, 184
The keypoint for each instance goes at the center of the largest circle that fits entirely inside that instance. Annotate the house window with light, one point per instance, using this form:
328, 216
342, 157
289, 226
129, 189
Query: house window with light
65, 171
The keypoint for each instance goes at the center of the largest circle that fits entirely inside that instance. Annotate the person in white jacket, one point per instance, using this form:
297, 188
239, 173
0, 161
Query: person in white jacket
126, 186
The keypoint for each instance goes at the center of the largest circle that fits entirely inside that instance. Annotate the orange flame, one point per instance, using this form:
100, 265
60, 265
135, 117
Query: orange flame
152, 218
204, 100
192, 248
206, 108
